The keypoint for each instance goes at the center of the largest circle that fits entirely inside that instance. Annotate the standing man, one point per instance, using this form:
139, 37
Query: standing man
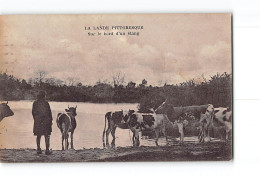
42, 116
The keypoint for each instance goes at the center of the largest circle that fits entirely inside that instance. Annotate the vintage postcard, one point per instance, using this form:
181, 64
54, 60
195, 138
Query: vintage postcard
116, 87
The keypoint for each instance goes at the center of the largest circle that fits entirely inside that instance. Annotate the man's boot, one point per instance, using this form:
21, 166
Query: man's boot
47, 143
38, 142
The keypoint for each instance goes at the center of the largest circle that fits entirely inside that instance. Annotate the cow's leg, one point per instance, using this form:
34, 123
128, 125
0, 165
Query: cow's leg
71, 140
199, 135
157, 133
66, 141
133, 139
209, 127
63, 136
166, 138
114, 136
107, 135
180, 127
136, 142
202, 134
227, 133
165, 134
208, 131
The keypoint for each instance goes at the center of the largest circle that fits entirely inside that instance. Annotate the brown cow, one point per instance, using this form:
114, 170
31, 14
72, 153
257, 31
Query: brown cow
66, 122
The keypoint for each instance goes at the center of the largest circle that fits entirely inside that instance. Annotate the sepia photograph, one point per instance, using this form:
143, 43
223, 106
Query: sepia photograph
116, 87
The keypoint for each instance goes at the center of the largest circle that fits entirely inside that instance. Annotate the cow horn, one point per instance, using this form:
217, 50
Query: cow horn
7, 102
76, 106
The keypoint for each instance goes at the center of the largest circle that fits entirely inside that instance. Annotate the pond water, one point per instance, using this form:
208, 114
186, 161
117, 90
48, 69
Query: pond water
17, 131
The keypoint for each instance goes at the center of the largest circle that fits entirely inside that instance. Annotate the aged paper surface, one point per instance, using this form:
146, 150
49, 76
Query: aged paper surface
136, 87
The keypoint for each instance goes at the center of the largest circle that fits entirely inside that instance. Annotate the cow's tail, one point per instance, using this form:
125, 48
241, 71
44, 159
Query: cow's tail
63, 128
65, 134
108, 114
57, 121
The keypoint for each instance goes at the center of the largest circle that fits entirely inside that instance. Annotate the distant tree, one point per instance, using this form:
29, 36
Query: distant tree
40, 76
118, 79
217, 90
162, 83
50, 81
143, 84
79, 84
25, 85
131, 84
72, 81
30, 81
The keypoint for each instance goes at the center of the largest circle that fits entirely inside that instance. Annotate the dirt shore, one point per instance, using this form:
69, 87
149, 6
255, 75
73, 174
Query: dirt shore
217, 151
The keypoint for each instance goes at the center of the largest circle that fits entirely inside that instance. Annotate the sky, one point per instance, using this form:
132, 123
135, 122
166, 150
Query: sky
171, 48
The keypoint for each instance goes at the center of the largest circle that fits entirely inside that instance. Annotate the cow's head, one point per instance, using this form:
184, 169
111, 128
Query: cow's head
5, 111
72, 110
210, 109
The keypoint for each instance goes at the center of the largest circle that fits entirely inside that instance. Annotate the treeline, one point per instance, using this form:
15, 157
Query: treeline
217, 91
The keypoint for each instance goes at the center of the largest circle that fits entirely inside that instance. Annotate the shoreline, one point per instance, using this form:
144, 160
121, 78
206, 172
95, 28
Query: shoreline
215, 151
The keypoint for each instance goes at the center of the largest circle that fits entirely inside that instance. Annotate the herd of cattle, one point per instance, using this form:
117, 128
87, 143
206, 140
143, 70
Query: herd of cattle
205, 116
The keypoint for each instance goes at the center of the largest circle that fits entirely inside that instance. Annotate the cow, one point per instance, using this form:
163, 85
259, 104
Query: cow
114, 119
223, 117
174, 113
5, 111
146, 121
203, 124
66, 122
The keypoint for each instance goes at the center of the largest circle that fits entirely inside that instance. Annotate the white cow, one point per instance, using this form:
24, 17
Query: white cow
146, 121
224, 116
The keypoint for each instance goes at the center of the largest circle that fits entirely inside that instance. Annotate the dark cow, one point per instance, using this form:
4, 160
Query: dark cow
66, 122
146, 121
5, 111
174, 113
223, 117
114, 119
